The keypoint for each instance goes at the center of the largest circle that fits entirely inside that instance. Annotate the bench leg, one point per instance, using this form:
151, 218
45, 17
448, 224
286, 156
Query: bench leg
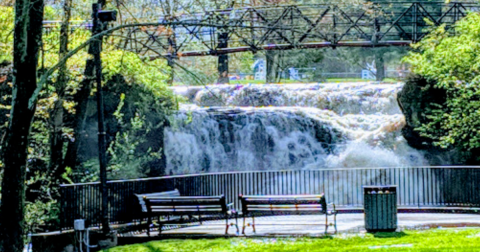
226, 224
335, 222
243, 228
326, 223
253, 224
160, 225
149, 222
236, 222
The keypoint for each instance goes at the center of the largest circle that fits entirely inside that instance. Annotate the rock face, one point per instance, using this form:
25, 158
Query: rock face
415, 99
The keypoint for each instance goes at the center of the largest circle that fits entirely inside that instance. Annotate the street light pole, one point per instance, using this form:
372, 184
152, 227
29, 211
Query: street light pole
102, 155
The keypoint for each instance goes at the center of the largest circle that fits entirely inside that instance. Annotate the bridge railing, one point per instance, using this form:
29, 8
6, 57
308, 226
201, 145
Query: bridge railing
417, 187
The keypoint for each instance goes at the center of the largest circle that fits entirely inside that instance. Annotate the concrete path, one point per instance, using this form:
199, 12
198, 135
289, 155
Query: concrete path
346, 223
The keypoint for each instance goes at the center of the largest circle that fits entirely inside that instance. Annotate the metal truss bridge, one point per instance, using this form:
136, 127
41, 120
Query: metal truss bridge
221, 32
288, 27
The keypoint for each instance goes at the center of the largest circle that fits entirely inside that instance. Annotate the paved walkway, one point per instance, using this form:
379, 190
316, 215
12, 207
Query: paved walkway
346, 223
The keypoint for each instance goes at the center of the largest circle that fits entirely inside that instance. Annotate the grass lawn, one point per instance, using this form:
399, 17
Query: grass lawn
452, 239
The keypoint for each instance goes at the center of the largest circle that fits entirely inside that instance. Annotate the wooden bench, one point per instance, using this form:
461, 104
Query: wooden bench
201, 206
267, 205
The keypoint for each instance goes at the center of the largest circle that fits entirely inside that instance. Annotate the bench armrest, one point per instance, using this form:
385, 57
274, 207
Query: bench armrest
230, 208
333, 206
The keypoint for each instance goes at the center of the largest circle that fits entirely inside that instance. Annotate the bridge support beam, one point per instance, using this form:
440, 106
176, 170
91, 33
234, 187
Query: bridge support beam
222, 59
171, 64
223, 69
379, 64
271, 65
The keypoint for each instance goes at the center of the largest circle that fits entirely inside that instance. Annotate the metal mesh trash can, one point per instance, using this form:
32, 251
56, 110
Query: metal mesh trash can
380, 204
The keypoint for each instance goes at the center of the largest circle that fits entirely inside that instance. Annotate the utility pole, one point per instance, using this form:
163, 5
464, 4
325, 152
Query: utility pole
378, 52
172, 55
102, 155
99, 19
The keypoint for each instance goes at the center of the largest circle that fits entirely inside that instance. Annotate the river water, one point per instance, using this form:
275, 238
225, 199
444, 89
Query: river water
291, 126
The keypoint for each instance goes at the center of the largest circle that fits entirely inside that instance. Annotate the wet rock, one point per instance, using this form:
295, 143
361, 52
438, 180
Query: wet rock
418, 96
415, 99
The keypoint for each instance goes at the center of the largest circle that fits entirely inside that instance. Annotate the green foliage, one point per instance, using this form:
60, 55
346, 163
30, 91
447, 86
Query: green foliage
40, 214
125, 162
6, 34
141, 118
148, 74
452, 61
42, 210
146, 92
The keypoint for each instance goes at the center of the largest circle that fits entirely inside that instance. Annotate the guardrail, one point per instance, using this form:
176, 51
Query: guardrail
417, 187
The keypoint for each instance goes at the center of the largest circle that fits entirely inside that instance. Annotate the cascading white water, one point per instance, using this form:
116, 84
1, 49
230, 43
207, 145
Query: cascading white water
293, 126
342, 98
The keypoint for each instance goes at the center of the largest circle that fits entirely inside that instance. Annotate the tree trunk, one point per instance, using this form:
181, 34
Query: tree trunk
81, 100
27, 40
56, 135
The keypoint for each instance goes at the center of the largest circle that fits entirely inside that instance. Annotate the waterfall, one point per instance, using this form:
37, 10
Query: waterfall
292, 126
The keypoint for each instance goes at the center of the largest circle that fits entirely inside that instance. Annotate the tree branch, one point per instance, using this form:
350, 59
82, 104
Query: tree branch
50, 71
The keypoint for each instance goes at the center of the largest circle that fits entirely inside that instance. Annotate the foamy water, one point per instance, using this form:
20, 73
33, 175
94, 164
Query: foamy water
294, 126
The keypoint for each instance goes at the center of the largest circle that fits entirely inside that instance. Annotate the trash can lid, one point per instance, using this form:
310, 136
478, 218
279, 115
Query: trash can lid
379, 186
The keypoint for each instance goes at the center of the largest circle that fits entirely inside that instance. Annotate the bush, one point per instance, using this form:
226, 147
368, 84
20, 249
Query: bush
451, 60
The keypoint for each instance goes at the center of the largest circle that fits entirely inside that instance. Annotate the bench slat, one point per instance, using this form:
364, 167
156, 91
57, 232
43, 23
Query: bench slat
190, 198
184, 213
285, 202
186, 207
219, 208
188, 204
176, 205
299, 196
252, 203
285, 205
264, 205
157, 210
183, 203
317, 207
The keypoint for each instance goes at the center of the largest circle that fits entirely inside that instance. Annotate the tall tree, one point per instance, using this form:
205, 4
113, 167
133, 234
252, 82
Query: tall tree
81, 100
56, 135
27, 41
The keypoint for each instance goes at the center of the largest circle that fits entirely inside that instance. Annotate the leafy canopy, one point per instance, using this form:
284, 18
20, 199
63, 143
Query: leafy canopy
145, 88
451, 60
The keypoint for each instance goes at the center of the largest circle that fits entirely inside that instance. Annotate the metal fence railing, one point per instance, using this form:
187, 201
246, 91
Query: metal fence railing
419, 187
